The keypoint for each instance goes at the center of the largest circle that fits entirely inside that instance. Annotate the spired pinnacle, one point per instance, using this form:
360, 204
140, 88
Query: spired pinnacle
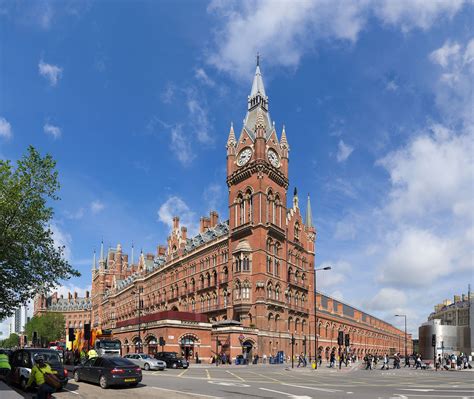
231, 141
309, 215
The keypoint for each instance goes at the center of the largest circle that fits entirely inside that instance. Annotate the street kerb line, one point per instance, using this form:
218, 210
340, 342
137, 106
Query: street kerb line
313, 388
235, 375
186, 393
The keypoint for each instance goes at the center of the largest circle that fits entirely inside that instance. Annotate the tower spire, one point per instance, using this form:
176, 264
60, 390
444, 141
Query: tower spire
231, 141
309, 215
94, 263
101, 251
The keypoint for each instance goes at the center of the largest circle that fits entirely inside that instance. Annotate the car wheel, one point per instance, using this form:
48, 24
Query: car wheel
134, 384
23, 383
76, 376
147, 367
103, 382
174, 366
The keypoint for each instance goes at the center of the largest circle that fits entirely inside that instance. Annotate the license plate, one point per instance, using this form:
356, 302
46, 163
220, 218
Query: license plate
130, 379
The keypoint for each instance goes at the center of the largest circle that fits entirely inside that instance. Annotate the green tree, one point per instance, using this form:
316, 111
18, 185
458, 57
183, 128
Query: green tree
11, 342
50, 326
30, 262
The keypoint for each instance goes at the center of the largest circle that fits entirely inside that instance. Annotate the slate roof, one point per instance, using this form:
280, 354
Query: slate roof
68, 305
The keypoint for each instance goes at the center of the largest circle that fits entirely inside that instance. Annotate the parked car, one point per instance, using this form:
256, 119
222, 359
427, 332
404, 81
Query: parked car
146, 361
107, 371
22, 361
172, 360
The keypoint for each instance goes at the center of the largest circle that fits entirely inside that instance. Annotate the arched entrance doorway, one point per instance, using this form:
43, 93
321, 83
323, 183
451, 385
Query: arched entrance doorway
138, 345
247, 351
152, 344
187, 345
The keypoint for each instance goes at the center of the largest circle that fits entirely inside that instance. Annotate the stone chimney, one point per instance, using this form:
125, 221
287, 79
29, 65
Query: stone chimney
75, 295
62, 296
69, 296
214, 219
87, 294
204, 224
184, 233
149, 256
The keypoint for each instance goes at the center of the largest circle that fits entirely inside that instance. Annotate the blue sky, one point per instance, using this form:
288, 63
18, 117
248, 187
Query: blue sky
134, 100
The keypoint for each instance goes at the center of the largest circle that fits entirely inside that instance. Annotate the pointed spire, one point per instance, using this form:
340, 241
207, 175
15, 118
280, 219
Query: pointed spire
257, 85
309, 215
231, 141
283, 140
101, 251
133, 253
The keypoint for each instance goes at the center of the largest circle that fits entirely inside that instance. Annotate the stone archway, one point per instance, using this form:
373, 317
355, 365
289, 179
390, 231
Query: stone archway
152, 344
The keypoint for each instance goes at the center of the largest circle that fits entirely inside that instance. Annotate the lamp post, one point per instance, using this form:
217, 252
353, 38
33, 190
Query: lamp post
315, 319
405, 317
138, 291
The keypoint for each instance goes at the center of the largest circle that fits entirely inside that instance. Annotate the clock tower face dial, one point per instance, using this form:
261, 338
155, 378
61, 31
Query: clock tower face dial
273, 158
244, 156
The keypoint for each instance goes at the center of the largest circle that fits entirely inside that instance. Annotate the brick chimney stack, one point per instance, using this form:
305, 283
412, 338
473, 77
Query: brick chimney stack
176, 223
204, 224
69, 296
161, 250
87, 294
214, 219
184, 233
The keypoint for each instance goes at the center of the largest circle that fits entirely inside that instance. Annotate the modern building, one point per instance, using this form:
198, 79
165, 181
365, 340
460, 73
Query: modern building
452, 325
244, 285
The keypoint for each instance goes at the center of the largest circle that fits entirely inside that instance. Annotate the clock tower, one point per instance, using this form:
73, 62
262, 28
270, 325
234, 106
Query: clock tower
271, 249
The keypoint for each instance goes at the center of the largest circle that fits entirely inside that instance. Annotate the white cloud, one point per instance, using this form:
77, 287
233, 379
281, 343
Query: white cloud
336, 276
444, 55
61, 239
54, 131
51, 72
181, 146
199, 119
411, 14
391, 86
213, 196
417, 258
345, 230
97, 206
5, 128
203, 77
77, 215
386, 299
168, 94
285, 30
175, 206
71, 288
343, 151
434, 172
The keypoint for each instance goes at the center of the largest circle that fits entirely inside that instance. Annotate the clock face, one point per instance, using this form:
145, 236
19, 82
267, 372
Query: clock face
244, 156
273, 158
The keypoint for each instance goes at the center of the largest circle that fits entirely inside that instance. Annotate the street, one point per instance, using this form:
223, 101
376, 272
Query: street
280, 382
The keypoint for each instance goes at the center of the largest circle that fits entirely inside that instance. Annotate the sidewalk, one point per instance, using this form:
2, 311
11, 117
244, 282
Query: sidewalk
7, 393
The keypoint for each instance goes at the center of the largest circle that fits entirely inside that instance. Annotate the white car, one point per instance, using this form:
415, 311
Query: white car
146, 362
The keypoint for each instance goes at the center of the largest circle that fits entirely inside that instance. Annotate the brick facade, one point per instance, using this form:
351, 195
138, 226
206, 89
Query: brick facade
245, 284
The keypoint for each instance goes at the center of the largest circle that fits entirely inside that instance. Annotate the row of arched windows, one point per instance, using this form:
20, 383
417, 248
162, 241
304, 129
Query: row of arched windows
244, 209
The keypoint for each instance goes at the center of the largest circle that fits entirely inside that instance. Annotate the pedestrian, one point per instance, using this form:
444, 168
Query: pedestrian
5, 367
197, 358
341, 360
418, 361
385, 362
300, 360
332, 360
37, 376
92, 353
320, 358
264, 357
438, 362
407, 361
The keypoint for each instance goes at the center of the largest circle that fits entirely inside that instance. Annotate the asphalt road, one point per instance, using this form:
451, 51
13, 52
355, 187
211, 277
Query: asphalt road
278, 382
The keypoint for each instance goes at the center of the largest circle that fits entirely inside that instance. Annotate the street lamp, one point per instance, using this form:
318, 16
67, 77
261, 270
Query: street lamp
405, 316
315, 319
138, 291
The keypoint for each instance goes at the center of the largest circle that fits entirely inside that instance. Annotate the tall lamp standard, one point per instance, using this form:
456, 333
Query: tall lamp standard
315, 319
405, 316
138, 291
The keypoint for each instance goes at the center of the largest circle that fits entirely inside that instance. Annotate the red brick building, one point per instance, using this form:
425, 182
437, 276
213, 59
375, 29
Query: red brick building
241, 285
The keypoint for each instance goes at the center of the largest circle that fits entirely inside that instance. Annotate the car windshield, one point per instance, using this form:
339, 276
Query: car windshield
109, 344
49, 357
119, 361
172, 354
146, 357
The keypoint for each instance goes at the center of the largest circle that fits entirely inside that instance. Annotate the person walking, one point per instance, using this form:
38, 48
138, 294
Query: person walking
332, 360
5, 367
407, 361
418, 361
438, 362
37, 376
92, 353
385, 362
320, 359
341, 360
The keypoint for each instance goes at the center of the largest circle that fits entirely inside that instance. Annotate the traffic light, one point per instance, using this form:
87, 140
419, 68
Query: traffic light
292, 340
35, 338
347, 340
87, 332
162, 341
433, 340
71, 334
340, 338
304, 341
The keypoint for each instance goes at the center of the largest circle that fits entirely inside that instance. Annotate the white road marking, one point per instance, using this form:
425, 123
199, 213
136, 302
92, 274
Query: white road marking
313, 388
229, 384
208, 375
290, 395
184, 371
187, 393
75, 393
235, 375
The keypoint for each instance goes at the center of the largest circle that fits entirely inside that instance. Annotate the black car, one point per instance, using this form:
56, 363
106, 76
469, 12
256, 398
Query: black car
107, 371
172, 360
22, 361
